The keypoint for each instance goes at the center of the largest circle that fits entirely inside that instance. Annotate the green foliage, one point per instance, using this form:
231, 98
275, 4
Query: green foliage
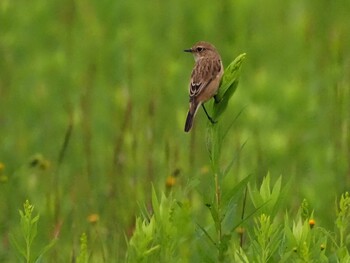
83, 254
29, 231
163, 236
304, 242
266, 239
221, 211
304, 210
169, 232
265, 198
228, 86
297, 240
343, 222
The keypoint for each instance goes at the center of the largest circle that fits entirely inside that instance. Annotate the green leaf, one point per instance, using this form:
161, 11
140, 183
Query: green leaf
18, 247
231, 124
34, 220
255, 196
247, 217
265, 191
47, 248
229, 166
155, 204
228, 86
235, 190
279, 194
214, 214
207, 234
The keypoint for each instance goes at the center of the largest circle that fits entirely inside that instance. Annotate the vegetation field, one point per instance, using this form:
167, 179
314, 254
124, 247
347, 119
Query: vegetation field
93, 101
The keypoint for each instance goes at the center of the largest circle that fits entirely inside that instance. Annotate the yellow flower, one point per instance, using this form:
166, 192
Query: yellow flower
170, 181
2, 167
312, 223
93, 218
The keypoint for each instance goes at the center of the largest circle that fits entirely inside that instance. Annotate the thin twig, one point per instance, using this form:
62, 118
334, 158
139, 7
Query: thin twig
61, 156
243, 212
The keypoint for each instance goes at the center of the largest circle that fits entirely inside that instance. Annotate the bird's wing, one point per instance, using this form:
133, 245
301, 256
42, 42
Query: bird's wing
203, 73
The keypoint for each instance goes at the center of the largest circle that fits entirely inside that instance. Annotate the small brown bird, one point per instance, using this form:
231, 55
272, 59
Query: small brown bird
205, 78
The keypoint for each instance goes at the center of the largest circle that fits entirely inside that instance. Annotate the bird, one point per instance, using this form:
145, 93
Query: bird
205, 78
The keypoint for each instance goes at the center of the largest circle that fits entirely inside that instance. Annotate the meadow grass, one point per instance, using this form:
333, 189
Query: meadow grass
93, 99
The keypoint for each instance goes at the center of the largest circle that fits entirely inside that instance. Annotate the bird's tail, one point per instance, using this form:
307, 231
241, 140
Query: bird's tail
190, 116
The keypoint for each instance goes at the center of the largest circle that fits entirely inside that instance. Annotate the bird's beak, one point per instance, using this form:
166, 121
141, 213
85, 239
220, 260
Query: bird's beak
188, 50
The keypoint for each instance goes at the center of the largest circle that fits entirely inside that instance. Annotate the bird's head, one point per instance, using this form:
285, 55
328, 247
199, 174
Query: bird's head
202, 49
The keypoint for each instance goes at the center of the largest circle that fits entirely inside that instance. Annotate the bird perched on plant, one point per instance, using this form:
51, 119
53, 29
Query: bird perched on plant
205, 78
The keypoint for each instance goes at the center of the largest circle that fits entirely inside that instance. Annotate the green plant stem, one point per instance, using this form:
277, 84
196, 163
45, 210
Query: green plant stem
341, 232
28, 251
218, 203
27, 238
243, 211
219, 218
214, 142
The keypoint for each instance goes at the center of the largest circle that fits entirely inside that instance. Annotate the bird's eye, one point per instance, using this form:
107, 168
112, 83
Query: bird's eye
200, 49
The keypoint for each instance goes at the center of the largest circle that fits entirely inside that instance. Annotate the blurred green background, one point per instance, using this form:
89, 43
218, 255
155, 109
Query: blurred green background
94, 95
